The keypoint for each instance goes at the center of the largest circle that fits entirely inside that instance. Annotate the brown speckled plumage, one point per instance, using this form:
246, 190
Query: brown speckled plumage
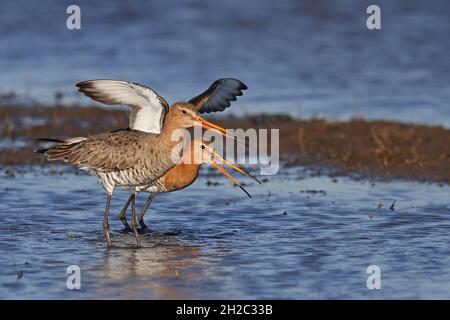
142, 154
125, 157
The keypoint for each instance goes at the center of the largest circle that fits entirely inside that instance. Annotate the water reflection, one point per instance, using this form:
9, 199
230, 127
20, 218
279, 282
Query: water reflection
154, 270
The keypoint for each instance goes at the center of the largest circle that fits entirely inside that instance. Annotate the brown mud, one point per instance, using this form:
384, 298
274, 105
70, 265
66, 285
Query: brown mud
373, 149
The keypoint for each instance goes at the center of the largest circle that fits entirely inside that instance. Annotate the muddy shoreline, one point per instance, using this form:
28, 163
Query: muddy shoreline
370, 149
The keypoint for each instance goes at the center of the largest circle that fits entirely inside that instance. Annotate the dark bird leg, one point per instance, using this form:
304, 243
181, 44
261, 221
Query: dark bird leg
144, 209
122, 214
105, 221
133, 218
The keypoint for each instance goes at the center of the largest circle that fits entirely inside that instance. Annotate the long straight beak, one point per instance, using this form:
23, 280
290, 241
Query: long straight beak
214, 127
221, 169
235, 167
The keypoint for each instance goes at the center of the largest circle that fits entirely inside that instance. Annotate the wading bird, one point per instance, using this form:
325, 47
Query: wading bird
143, 152
183, 175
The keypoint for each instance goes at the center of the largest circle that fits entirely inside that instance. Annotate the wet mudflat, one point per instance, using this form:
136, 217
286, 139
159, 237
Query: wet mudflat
300, 236
369, 148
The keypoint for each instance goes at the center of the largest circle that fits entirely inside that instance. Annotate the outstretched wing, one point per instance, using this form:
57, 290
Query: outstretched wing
147, 108
218, 96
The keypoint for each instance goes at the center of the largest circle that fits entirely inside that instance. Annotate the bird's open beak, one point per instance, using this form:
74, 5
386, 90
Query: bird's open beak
221, 169
235, 167
215, 128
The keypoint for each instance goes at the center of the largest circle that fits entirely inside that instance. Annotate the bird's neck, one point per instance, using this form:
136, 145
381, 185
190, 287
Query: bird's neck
172, 133
171, 127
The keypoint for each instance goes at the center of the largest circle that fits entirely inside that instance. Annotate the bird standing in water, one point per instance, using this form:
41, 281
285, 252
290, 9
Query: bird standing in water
183, 175
217, 97
135, 156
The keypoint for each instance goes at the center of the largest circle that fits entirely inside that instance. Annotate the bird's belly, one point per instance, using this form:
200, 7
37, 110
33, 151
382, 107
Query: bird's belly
151, 189
139, 177
133, 177
154, 186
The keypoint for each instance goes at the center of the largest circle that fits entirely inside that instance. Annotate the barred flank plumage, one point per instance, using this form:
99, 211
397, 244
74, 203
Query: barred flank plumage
136, 157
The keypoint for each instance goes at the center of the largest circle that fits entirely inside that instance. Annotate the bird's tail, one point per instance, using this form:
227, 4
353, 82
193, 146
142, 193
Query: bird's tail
61, 148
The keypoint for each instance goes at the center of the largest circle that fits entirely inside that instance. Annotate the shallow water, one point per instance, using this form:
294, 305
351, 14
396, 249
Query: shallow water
300, 57
225, 245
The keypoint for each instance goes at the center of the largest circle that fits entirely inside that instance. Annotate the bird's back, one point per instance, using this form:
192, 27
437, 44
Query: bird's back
138, 155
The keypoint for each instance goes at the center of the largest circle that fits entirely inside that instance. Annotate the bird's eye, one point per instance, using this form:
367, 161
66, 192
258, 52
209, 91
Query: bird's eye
203, 146
184, 111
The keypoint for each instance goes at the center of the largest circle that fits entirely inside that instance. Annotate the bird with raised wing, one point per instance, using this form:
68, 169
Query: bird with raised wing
135, 156
217, 97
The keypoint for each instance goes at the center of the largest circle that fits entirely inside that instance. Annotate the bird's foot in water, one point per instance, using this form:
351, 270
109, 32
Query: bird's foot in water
144, 228
126, 226
126, 229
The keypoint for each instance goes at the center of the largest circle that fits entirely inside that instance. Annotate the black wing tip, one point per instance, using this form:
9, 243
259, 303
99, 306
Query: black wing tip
84, 84
41, 150
44, 150
90, 83
49, 140
240, 84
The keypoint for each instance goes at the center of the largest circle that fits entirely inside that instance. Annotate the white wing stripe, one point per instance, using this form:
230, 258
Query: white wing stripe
147, 107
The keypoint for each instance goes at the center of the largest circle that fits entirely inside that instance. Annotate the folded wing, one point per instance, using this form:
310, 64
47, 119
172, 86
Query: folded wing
147, 108
105, 152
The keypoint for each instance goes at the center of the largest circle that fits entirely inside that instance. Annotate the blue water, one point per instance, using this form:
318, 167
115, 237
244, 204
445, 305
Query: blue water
211, 241
306, 58
300, 57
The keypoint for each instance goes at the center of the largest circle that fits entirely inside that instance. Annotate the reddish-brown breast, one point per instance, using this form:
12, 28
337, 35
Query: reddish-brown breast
181, 176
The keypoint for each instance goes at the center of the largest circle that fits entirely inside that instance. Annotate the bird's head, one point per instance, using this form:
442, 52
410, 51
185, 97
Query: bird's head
203, 152
186, 115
